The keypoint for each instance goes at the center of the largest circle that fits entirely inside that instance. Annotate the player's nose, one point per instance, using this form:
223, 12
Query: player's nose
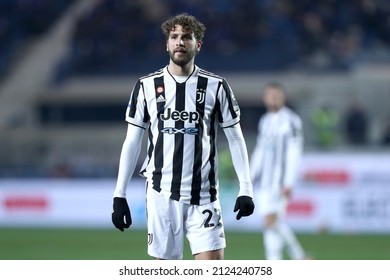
180, 42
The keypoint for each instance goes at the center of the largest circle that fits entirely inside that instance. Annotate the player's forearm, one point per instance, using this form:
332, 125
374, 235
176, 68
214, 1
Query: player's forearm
255, 164
240, 159
128, 159
293, 160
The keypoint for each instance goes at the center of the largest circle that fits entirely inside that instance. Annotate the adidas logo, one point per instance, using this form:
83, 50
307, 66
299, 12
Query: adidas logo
160, 98
222, 235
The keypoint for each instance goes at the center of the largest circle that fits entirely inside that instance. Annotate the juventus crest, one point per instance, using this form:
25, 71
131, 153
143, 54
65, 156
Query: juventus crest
200, 95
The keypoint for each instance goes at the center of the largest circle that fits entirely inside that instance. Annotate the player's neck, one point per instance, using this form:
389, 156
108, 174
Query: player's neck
275, 110
177, 70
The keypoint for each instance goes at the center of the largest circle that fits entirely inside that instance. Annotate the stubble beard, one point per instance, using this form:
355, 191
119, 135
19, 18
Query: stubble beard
184, 59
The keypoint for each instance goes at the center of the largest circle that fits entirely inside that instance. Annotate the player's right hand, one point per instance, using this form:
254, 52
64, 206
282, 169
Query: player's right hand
121, 216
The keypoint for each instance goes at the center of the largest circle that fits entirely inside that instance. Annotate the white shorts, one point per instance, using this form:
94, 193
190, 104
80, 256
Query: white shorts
271, 203
169, 220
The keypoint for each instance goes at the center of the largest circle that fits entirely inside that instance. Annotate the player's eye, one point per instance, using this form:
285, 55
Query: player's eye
187, 37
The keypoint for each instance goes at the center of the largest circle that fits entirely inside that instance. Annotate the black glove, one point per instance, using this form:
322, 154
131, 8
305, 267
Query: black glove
121, 217
244, 206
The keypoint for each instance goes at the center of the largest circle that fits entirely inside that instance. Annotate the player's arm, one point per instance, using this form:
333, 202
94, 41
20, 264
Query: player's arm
255, 164
238, 150
255, 161
128, 159
228, 118
131, 148
294, 150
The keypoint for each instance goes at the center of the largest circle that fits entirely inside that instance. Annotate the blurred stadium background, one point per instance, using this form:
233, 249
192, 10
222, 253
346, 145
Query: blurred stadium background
66, 71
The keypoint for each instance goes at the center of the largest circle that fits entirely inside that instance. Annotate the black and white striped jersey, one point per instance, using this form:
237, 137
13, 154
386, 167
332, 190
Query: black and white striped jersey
182, 118
277, 154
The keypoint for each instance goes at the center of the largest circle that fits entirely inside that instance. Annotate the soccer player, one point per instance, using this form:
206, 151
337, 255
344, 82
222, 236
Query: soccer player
274, 164
181, 106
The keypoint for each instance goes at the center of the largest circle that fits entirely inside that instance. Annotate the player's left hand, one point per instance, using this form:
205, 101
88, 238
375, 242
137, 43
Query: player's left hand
244, 206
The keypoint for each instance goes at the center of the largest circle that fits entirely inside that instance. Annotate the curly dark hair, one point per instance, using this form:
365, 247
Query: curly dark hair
188, 22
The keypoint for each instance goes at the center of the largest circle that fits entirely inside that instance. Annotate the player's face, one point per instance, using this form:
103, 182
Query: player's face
273, 98
182, 46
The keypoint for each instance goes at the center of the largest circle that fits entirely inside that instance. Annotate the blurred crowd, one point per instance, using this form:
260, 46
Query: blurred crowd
121, 36
124, 36
24, 20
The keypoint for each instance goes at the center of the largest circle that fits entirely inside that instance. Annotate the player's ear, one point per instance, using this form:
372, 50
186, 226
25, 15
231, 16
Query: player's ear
198, 46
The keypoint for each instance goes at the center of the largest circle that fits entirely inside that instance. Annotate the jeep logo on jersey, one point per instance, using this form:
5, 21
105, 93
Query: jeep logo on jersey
180, 116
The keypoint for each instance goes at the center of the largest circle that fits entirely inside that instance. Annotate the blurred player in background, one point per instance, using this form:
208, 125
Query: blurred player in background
181, 106
274, 164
